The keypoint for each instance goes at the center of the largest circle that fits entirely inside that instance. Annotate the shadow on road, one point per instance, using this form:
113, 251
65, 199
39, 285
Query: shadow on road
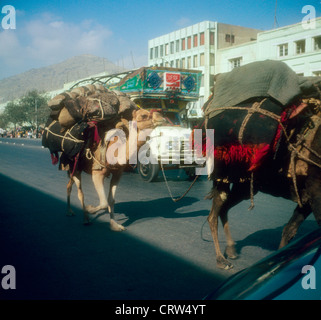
269, 239
56, 257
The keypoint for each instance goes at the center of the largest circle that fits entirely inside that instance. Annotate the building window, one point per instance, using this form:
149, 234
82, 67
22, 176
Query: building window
156, 52
195, 65
177, 45
183, 44
234, 63
151, 53
161, 50
300, 46
212, 38
317, 73
202, 39
172, 47
317, 43
229, 38
183, 63
189, 42
166, 49
189, 62
212, 59
283, 50
202, 59
195, 40
177, 63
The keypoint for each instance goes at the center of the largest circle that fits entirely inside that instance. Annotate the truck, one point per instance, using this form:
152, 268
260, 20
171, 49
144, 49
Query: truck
167, 91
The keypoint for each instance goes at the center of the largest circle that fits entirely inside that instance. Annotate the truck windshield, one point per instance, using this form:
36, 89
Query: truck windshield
172, 118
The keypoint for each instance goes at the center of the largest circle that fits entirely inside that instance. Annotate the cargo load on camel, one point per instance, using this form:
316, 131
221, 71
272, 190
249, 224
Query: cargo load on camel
250, 110
80, 118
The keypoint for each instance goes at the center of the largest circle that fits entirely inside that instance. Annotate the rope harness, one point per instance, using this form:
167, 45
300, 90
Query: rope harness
169, 190
292, 147
66, 136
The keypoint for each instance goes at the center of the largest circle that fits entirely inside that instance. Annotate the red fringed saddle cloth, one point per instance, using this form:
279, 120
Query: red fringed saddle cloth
249, 154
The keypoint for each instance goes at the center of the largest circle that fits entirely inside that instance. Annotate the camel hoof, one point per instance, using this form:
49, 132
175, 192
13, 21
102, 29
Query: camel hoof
230, 252
87, 223
222, 263
114, 226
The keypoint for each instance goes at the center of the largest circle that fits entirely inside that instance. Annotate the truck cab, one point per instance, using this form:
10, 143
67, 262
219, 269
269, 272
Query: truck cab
168, 92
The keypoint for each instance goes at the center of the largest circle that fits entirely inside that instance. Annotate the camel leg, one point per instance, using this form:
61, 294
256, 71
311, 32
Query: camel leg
220, 195
116, 175
69, 188
291, 228
238, 193
230, 250
223, 200
313, 185
98, 177
77, 179
312, 193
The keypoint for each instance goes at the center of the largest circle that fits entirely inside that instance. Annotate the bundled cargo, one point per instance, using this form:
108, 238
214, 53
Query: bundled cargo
90, 102
70, 142
82, 116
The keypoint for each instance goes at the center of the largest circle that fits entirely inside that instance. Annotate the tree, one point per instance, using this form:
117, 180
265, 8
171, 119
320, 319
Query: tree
13, 113
35, 108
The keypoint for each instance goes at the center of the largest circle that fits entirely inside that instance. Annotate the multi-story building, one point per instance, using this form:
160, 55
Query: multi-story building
196, 47
298, 46
214, 48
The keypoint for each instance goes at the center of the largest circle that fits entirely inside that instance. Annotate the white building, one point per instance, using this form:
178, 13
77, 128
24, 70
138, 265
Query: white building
298, 47
196, 47
214, 48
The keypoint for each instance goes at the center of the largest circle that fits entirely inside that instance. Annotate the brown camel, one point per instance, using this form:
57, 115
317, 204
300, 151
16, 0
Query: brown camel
142, 120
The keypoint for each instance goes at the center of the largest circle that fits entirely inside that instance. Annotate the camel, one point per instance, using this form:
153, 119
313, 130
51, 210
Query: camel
99, 171
279, 174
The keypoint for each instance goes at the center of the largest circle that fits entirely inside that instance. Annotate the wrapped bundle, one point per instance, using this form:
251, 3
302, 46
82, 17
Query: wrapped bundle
70, 142
99, 106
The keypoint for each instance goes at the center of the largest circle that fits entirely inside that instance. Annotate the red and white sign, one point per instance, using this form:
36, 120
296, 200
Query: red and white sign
172, 81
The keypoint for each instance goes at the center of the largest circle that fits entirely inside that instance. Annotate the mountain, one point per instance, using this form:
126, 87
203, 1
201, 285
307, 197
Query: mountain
53, 77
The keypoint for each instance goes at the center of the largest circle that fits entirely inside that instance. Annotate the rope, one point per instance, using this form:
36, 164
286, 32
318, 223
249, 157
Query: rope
169, 190
255, 108
63, 136
292, 147
90, 156
101, 107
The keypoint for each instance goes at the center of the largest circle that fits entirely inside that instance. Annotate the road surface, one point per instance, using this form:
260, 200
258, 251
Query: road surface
165, 253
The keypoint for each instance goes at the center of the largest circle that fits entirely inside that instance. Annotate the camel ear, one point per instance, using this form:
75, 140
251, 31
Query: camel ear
134, 114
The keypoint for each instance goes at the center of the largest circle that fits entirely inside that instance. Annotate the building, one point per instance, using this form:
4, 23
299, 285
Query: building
196, 47
298, 47
214, 48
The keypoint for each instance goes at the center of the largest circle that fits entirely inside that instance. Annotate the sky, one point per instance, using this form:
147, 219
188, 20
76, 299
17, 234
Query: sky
49, 32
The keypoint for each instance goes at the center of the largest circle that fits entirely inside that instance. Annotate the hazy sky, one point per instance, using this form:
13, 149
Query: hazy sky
49, 32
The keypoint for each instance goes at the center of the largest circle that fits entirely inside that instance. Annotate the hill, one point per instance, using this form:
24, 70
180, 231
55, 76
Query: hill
53, 77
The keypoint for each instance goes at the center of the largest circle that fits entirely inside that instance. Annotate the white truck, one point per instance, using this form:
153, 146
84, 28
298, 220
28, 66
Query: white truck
166, 91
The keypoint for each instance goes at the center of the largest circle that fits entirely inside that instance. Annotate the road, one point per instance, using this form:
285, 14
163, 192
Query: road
165, 253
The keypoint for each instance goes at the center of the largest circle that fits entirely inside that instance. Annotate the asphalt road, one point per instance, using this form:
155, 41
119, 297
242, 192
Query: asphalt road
166, 252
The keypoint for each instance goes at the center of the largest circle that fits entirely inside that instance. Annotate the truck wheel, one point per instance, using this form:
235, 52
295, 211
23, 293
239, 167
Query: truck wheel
148, 172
